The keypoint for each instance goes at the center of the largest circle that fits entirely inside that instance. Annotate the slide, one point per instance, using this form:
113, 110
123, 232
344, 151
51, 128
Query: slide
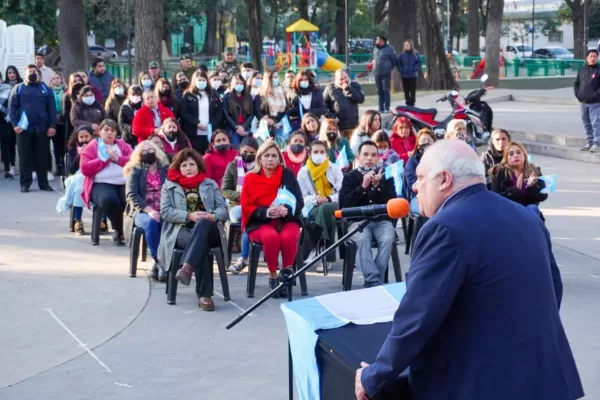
328, 63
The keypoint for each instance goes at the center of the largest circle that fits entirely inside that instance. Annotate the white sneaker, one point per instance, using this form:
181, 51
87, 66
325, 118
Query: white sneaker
595, 149
50, 176
34, 176
12, 171
320, 268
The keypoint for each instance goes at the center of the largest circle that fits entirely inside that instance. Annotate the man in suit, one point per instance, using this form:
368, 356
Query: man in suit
480, 317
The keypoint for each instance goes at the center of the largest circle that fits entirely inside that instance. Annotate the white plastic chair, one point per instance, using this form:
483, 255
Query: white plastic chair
20, 39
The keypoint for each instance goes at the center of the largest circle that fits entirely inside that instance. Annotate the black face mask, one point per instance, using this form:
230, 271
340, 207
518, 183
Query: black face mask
184, 85
248, 158
32, 78
81, 144
222, 147
332, 135
423, 147
165, 92
297, 148
149, 158
171, 134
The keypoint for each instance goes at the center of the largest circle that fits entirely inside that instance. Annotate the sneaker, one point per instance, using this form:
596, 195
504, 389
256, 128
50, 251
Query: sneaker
595, 149
387, 111
12, 171
34, 176
117, 239
8, 175
321, 269
79, 228
586, 147
238, 266
103, 227
50, 176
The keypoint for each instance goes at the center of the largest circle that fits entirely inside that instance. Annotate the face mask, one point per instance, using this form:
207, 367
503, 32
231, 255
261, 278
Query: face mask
171, 134
216, 84
304, 84
201, 85
275, 82
318, 159
135, 99
297, 148
248, 158
81, 144
165, 92
257, 83
119, 91
423, 147
146, 83
364, 170
89, 100
246, 74
222, 147
332, 135
149, 158
32, 78
382, 152
77, 87
183, 85
239, 88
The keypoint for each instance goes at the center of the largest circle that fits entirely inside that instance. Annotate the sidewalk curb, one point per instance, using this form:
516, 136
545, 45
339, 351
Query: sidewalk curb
543, 99
567, 147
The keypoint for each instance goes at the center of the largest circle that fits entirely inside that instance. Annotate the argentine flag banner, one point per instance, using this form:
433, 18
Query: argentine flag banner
550, 182
396, 172
286, 198
342, 159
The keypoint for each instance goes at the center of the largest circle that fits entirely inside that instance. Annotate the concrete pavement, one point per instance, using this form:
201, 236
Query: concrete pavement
146, 349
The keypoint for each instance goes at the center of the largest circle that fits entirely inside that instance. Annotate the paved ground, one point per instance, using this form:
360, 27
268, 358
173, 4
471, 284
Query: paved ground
59, 292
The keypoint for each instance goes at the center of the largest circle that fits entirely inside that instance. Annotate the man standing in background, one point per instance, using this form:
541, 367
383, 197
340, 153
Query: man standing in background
384, 61
587, 91
45, 71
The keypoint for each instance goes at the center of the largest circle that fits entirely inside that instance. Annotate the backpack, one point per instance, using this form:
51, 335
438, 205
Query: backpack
42, 86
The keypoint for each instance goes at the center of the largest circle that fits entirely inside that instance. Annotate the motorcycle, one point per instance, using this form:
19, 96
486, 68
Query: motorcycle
478, 116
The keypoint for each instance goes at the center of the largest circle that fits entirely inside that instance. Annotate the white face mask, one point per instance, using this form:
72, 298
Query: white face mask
215, 84
89, 100
119, 91
146, 83
318, 159
135, 99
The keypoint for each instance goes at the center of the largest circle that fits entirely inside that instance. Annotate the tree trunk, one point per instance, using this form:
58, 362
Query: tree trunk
340, 28
303, 9
149, 17
404, 13
579, 34
210, 42
255, 36
274, 37
473, 29
493, 34
439, 74
72, 35
454, 15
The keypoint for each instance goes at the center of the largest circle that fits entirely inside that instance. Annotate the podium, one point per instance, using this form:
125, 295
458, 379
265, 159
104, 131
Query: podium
330, 335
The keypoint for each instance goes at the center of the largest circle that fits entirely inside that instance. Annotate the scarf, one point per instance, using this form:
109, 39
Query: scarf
4, 95
242, 167
264, 191
318, 174
296, 158
186, 183
59, 92
364, 170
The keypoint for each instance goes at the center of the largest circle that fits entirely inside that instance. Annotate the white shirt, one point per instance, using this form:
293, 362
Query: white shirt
113, 173
305, 100
203, 111
46, 75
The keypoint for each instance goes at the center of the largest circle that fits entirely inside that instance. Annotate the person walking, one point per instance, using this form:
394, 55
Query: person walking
409, 65
33, 116
587, 85
384, 62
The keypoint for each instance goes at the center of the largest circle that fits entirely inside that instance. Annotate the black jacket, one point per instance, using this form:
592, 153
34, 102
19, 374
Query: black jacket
126, 113
343, 104
231, 119
501, 182
188, 107
587, 84
353, 194
490, 159
37, 102
259, 216
317, 103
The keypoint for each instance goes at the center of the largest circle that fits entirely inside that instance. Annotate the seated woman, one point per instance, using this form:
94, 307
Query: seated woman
233, 181
218, 156
387, 155
166, 96
310, 126
403, 138
128, 109
516, 179
150, 117
330, 134
146, 172
86, 110
191, 205
425, 138
499, 141
295, 152
174, 140
320, 181
269, 222
269, 124
457, 130
102, 163
368, 125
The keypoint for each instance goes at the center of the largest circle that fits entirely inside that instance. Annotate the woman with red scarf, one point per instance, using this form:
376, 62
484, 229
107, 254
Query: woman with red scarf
264, 217
191, 205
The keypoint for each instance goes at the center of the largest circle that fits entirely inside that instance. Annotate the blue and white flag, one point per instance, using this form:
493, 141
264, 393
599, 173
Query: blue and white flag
396, 172
262, 132
23, 122
529, 158
285, 197
286, 128
342, 159
102, 150
307, 209
209, 131
550, 181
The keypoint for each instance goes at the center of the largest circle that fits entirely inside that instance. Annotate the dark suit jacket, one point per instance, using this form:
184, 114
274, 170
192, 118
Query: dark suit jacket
37, 102
480, 319
188, 108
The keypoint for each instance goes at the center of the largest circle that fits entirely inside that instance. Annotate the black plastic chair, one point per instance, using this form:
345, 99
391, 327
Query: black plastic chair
233, 229
97, 213
137, 237
350, 263
415, 223
216, 252
253, 257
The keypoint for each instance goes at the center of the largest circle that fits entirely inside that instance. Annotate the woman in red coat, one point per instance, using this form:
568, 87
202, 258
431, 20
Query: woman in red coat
150, 117
403, 138
218, 156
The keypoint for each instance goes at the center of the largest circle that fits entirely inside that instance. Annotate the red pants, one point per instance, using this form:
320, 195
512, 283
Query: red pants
273, 242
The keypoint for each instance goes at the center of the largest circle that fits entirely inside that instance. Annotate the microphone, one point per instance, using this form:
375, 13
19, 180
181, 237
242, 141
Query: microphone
395, 208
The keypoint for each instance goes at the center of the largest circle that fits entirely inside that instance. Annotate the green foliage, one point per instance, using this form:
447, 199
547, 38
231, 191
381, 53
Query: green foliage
518, 28
40, 14
461, 27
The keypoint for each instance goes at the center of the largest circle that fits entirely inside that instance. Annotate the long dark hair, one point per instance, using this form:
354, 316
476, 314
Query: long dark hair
71, 91
12, 67
211, 146
192, 87
247, 104
73, 139
182, 139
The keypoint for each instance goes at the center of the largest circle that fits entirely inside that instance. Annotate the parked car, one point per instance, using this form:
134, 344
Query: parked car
552, 52
125, 53
518, 51
102, 52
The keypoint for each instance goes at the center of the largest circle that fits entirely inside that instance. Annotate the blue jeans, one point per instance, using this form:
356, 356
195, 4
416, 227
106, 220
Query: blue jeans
382, 83
77, 212
235, 215
373, 269
590, 114
151, 230
234, 138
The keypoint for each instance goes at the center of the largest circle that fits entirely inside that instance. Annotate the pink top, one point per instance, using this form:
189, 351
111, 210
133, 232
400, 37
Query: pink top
153, 186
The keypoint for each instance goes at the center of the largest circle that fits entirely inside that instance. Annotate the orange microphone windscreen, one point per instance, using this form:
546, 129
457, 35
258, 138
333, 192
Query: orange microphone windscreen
398, 208
338, 213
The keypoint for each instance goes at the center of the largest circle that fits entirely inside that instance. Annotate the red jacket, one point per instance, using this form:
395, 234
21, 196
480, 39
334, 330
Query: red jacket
403, 146
216, 163
172, 150
143, 121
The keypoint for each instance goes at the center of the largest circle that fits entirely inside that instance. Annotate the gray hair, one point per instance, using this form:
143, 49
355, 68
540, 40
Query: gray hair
456, 157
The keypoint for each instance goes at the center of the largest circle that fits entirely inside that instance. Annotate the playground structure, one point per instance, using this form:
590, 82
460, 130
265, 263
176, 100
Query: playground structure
304, 51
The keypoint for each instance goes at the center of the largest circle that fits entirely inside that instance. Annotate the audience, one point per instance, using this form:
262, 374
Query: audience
403, 138
146, 172
295, 152
310, 126
115, 99
369, 123
166, 96
145, 81
342, 98
304, 97
219, 155
102, 163
150, 117
366, 186
238, 109
82, 136
269, 222
191, 205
